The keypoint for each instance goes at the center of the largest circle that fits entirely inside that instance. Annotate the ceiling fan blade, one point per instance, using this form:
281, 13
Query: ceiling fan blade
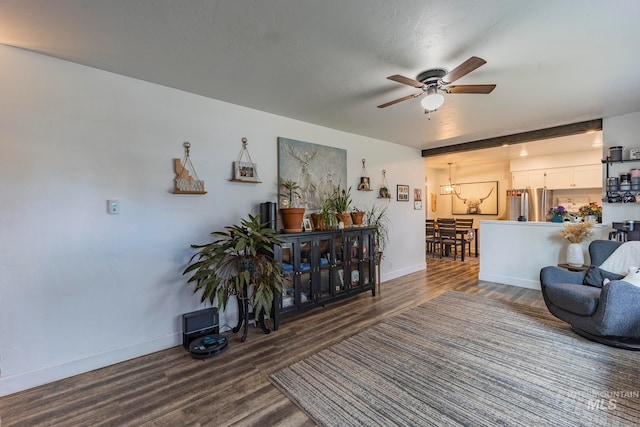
470, 89
404, 98
405, 80
463, 69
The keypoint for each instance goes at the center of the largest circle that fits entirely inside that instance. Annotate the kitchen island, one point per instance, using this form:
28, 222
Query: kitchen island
513, 252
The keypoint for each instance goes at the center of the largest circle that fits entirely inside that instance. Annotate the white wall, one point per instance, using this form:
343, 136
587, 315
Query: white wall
81, 289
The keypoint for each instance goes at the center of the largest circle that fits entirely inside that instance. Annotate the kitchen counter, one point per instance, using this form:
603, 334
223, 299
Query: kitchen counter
513, 252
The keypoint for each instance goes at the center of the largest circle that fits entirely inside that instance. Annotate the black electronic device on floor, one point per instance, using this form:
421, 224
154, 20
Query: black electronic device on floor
199, 324
208, 346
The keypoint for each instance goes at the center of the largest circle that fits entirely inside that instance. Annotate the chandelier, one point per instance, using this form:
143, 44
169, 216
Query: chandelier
450, 188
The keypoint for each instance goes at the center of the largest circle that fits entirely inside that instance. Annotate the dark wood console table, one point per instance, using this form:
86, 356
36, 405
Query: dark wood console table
324, 266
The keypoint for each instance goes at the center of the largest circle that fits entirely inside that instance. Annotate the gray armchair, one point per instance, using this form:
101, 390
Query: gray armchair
609, 314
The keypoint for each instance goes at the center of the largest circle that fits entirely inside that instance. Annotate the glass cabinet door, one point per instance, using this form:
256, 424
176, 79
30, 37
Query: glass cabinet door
354, 263
338, 264
303, 259
288, 285
369, 257
324, 270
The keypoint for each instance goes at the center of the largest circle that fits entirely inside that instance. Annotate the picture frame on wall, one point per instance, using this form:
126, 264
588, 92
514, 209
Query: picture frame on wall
417, 198
476, 198
402, 194
245, 171
317, 169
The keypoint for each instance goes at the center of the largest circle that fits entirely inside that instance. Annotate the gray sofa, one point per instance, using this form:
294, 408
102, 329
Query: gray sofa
609, 314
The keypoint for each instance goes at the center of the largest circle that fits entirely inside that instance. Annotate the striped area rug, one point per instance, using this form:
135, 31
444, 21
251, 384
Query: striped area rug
466, 360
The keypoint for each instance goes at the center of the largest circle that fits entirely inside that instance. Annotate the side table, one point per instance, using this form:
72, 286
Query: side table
574, 268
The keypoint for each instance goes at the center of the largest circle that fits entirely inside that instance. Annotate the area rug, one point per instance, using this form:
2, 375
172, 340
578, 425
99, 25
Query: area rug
466, 360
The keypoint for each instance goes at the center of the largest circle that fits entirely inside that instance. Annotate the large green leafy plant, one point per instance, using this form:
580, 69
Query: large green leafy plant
240, 256
378, 218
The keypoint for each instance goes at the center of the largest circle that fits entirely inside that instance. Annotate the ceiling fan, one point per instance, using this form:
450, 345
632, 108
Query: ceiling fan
433, 82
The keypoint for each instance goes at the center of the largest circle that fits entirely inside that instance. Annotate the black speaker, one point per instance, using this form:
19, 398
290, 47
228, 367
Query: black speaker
268, 214
198, 324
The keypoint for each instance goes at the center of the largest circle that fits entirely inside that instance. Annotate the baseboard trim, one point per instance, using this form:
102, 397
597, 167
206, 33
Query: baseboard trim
513, 281
403, 272
23, 381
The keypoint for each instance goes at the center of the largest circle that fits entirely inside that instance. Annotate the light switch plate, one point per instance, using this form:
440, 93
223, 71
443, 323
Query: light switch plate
113, 206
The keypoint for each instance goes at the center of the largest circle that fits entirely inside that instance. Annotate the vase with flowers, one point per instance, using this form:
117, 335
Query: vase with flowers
557, 213
576, 233
591, 211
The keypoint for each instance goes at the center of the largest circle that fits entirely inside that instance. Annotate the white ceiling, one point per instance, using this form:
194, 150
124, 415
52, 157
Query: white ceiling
326, 61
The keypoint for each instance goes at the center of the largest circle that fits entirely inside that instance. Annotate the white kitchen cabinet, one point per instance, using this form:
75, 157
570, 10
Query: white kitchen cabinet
588, 176
531, 178
559, 178
571, 177
520, 179
537, 179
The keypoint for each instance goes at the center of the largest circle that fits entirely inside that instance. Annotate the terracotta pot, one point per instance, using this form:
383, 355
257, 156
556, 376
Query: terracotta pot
357, 217
318, 221
345, 218
292, 219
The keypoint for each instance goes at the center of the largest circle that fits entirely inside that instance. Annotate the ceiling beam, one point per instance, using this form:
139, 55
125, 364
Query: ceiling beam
517, 138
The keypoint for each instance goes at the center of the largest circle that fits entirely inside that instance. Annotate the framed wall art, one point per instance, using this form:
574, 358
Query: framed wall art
245, 171
317, 169
475, 198
402, 194
417, 198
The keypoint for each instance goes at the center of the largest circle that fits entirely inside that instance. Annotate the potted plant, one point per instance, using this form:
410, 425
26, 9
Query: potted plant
591, 211
576, 233
341, 200
240, 256
384, 193
291, 216
357, 216
378, 218
557, 213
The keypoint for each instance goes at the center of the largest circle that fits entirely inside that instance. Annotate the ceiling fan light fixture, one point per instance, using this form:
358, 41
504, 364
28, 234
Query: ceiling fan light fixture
432, 100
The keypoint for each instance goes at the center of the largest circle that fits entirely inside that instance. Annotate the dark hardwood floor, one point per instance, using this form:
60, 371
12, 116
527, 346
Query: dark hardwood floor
169, 388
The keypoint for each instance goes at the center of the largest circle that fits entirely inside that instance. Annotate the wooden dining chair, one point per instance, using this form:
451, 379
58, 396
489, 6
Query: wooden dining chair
466, 224
449, 238
431, 237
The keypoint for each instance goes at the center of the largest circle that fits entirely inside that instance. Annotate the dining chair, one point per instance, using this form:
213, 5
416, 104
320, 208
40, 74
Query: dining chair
431, 237
463, 224
449, 238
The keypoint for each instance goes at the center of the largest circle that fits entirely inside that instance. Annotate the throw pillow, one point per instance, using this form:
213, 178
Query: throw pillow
633, 277
597, 277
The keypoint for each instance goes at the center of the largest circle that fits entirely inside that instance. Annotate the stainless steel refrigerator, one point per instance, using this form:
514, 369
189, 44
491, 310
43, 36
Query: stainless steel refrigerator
529, 204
